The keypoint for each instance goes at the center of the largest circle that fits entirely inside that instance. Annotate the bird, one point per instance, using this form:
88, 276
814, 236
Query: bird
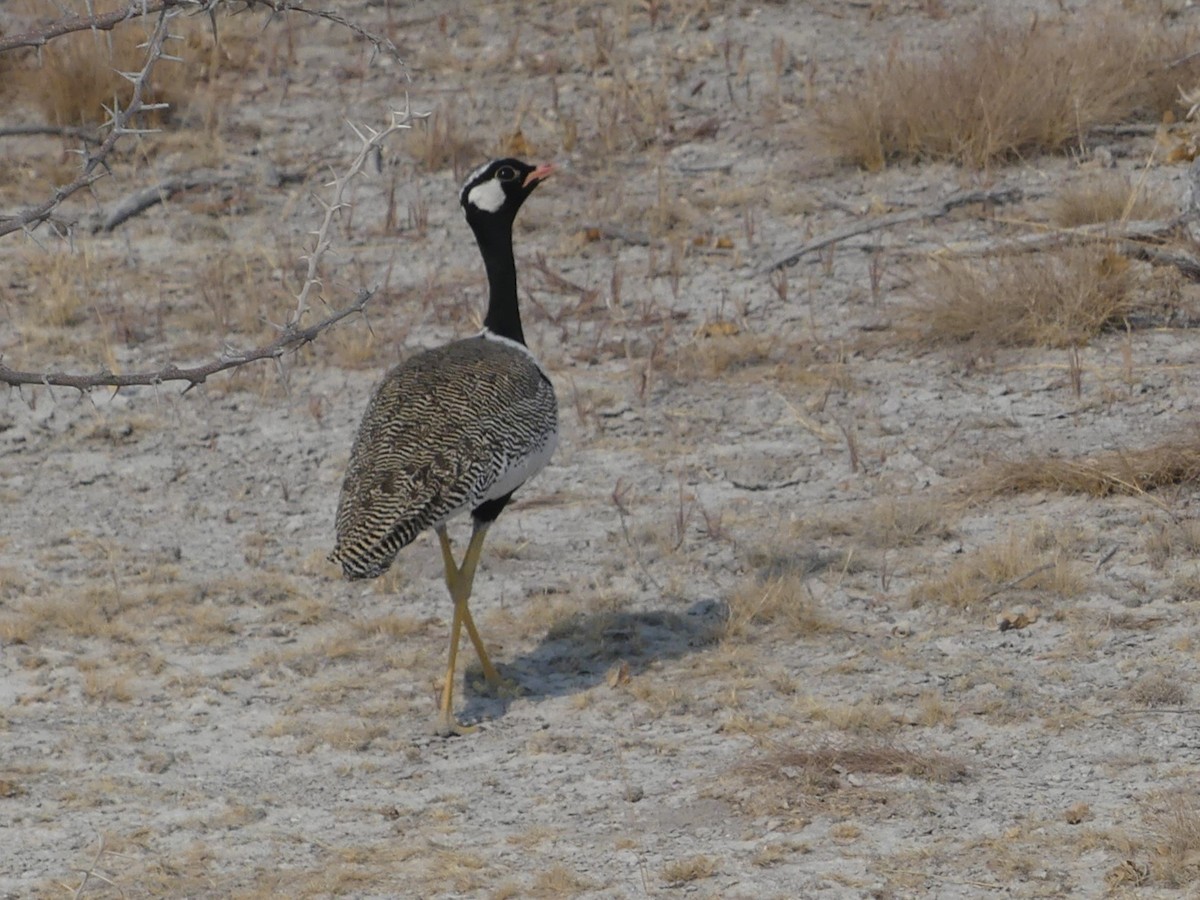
454, 429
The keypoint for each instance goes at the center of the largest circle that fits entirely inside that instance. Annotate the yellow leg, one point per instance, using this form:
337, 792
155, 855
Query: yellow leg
447, 725
459, 581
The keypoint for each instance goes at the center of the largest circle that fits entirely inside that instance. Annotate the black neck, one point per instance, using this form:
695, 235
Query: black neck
503, 315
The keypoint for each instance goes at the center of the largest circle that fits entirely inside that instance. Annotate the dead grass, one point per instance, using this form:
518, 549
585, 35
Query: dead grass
77, 75
1051, 299
1172, 838
692, 868
1022, 562
1106, 197
1159, 689
782, 602
1132, 472
1005, 90
908, 521
798, 777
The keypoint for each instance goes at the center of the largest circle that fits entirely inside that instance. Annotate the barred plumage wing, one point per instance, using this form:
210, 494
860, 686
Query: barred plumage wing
442, 431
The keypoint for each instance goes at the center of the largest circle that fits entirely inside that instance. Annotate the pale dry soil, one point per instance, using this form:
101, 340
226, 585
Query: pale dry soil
729, 673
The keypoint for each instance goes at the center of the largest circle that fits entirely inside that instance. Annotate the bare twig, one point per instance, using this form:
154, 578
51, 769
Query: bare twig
997, 196
291, 338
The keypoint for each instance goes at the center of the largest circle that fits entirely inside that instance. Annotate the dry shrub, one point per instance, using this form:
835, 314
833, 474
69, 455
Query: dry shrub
1108, 197
77, 75
1122, 472
1005, 90
1051, 299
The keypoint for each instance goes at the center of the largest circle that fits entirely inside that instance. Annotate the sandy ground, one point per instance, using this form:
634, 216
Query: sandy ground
734, 672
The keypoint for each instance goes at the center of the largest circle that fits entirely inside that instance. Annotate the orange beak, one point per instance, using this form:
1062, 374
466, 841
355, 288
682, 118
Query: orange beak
538, 174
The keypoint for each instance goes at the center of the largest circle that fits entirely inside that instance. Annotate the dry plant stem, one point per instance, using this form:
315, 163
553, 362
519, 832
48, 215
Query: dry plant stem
997, 196
94, 168
291, 338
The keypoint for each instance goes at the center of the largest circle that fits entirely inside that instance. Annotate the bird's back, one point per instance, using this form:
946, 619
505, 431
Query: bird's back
445, 431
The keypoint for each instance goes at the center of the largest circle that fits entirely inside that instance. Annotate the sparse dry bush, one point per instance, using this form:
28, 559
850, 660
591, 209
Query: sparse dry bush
1006, 90
1051, 299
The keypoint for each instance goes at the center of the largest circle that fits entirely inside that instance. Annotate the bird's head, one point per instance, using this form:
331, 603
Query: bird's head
495, 191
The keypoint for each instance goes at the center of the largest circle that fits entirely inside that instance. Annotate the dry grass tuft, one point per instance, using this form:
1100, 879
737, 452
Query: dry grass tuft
908, 521
799, 776
559, 881
693, 868
782, 602
74, 77
1107, 197
1019, 562
1005, 90
1053, 299
1174, 834
1159, 689
1133, 472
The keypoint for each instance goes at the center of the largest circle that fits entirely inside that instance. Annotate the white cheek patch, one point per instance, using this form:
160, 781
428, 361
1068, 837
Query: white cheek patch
488, 196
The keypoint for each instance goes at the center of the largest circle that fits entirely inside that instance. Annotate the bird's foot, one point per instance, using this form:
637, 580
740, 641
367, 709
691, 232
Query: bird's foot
448, 726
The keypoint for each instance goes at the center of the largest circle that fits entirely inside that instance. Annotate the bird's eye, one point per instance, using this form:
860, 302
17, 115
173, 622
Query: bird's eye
506, 173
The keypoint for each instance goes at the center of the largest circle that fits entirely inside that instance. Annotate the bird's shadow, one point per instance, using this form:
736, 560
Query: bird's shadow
580, 652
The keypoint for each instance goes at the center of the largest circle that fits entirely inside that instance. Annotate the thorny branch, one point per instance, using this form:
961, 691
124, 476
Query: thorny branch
291, 338
371, 142
39, 37
95, 169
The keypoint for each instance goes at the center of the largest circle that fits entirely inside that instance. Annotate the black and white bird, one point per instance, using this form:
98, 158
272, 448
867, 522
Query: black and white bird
455, 429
